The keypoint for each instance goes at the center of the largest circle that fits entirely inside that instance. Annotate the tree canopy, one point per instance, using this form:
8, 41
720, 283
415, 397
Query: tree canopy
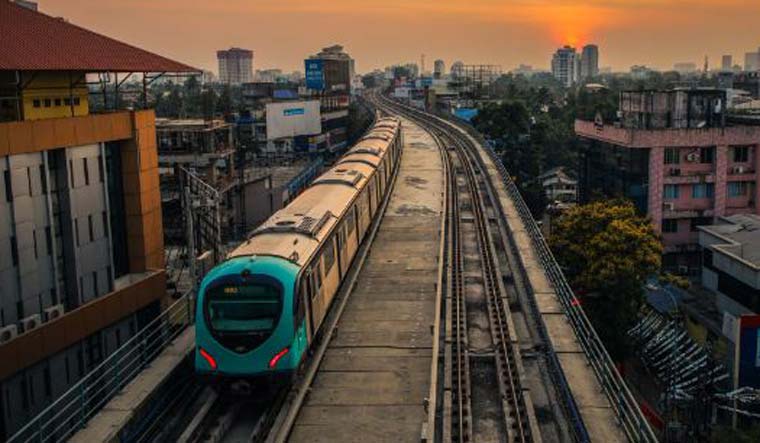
608, 251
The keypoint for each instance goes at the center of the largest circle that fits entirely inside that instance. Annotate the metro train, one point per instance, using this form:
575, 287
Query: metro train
259, 310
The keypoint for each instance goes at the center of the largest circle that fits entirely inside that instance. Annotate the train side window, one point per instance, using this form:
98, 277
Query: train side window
299, 310
350, 221
329, 254
317, 284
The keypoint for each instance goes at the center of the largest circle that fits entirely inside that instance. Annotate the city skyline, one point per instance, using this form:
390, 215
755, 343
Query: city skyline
511, 33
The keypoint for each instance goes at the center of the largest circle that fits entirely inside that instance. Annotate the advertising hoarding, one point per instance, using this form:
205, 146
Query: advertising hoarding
315, 74
293, 118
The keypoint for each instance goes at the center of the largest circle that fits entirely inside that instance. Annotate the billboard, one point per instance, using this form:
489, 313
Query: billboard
315, 74
293, 118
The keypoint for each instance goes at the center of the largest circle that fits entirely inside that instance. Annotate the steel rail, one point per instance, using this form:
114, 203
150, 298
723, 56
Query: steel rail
630, 417
517, 424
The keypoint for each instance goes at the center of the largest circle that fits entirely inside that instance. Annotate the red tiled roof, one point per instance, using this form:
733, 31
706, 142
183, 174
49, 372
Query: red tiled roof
32, 41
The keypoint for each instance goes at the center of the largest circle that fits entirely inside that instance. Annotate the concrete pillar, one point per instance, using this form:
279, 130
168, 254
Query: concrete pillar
721, 175
656, 183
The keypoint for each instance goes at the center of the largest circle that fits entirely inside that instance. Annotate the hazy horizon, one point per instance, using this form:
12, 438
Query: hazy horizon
657, 33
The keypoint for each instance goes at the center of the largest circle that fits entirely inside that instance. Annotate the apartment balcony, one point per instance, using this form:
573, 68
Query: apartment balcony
686, 138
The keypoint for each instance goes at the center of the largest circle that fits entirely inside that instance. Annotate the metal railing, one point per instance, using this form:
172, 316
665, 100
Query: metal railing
71, 411
630, 416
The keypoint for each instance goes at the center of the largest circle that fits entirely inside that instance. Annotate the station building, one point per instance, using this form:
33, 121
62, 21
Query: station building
81, 244
679, 158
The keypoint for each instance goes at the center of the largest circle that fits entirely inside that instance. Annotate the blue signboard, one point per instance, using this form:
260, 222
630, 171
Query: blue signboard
315, 75
293, 111
427, 81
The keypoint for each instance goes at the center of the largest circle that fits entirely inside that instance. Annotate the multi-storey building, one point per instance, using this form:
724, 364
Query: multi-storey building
589, 61
566, 65
676, 157
81, 248
439, 69
727, 62
235, 66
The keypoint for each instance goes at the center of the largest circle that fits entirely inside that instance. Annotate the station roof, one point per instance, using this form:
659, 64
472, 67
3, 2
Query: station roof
39, 42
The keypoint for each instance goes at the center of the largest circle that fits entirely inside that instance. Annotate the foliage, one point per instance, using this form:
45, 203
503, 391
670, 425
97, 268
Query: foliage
675, 280
608, 251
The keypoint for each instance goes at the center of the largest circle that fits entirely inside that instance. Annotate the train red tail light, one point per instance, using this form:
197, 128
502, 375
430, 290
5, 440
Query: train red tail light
277, 357
209, 359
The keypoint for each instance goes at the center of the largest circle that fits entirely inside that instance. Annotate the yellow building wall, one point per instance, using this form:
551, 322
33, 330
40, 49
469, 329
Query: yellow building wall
48, 95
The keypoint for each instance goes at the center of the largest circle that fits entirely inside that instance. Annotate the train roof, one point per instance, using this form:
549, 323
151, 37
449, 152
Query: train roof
296, 231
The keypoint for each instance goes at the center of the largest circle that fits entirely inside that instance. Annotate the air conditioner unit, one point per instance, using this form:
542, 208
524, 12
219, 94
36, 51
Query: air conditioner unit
683, 270
8, 333
692, 157
53, 312
739, 170
31, 322
669, 206
675, 171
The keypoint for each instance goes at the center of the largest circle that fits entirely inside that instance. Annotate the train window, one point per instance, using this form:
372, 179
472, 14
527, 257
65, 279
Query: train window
298, 307
350, 220
329, 254
317, 279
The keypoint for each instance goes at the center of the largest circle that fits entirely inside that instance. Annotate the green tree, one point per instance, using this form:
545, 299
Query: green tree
608, 251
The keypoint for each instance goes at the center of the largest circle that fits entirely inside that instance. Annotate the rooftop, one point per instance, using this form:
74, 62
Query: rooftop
742, 235
43, 43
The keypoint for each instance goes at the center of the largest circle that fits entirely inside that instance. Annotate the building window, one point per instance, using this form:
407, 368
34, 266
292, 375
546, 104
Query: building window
672, 156
101, 175
49, 240
48, 382
86, 172
34, 240
700, 221
48, 102
58, 102
76, 101
105, 223
741, 154
14, 251
90, 229
737, 189
8, 188
36, 103
24, 393
43, 179
95, 283
76, 230
670, 225
67, 101
703, 190
670, 192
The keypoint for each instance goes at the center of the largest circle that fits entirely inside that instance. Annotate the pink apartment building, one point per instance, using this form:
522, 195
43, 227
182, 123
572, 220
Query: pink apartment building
679, 158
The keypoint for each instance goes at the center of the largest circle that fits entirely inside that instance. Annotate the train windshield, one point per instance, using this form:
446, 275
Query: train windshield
244, 309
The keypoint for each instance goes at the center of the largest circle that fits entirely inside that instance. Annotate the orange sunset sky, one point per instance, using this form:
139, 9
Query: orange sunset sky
380, 32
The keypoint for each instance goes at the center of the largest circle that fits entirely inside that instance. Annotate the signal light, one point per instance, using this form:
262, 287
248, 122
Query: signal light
277, 357
209, 359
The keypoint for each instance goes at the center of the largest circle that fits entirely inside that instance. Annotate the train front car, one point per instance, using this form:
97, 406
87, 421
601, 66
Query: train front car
245, 326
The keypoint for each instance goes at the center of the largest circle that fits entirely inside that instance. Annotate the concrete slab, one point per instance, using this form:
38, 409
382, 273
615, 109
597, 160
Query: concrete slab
117, 413
375, 377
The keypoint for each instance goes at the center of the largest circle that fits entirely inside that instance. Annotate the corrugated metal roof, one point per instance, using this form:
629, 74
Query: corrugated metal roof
32, 41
